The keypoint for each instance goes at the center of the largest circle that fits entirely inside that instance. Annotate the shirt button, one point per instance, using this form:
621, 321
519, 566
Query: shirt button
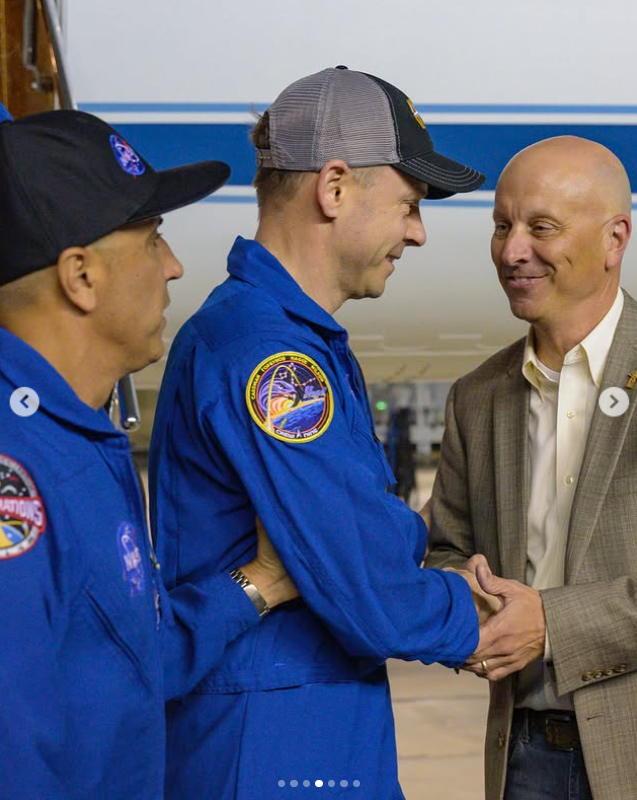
501, 740
570, 414
569, 479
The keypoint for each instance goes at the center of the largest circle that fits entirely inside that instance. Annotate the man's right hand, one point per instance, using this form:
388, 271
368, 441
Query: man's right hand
516, 635
267, 572
486, 604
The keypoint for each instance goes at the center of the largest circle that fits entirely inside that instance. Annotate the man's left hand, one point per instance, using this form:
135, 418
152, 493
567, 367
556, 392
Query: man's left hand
267, 572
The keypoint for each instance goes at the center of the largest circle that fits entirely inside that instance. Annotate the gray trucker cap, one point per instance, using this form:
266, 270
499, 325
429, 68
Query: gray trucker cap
363, 120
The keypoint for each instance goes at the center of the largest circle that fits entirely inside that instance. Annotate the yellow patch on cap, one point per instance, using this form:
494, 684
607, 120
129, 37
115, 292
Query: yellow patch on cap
413, 110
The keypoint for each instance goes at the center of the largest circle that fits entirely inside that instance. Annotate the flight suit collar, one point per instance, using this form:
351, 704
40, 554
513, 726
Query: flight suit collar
249, 261
22, 366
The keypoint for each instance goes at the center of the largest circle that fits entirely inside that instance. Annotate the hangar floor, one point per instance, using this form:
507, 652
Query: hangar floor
440, 721
440, 718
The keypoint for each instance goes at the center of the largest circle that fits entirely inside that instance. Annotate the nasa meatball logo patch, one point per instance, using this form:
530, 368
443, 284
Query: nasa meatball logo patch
126, 157
289, 397
132, 567
22, 516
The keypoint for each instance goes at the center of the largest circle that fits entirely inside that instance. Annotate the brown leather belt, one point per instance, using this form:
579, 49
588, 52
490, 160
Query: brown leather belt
559, 728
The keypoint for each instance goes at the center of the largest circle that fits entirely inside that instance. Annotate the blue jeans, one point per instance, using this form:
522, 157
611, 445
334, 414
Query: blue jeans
537, 771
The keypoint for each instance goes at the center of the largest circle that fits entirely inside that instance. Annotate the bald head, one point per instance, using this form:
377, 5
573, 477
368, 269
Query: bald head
562, 225
577, 167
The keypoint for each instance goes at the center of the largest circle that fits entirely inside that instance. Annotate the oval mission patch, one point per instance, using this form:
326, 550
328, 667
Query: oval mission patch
290, 398
22, 516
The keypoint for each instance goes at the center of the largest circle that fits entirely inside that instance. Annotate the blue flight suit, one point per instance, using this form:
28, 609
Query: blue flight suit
4, 114
84, 618
263, 409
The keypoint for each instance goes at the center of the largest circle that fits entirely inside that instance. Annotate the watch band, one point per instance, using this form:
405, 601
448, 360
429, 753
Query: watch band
257, 599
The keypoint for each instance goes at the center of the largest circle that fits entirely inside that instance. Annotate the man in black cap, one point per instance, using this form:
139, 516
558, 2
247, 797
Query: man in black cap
263, 409
91, 641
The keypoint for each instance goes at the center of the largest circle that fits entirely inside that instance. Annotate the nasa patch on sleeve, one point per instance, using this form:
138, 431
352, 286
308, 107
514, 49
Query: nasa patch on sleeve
290, 398
22, 515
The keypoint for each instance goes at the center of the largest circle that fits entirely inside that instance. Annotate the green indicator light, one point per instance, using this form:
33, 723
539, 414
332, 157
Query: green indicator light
381, 405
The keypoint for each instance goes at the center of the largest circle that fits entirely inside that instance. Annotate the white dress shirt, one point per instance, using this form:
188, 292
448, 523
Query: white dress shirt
560, 412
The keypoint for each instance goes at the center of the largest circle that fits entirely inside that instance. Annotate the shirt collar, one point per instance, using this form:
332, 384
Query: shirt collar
598, 342
250, 262
21, 365
594, 348
537, 374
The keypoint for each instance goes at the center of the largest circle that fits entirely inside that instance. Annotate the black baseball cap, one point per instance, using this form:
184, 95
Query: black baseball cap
363, 120
67, 178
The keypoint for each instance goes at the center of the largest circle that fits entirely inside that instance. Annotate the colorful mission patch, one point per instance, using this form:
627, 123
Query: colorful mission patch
289, 397
22, 516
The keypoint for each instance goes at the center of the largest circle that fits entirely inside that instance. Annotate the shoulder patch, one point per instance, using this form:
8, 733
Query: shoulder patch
22, 516
290, 398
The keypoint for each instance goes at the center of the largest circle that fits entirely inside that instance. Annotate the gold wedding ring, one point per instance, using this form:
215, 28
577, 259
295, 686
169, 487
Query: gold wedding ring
484, 665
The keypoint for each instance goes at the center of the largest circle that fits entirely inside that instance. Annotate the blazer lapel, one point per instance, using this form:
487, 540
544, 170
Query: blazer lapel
604, 444
511, 434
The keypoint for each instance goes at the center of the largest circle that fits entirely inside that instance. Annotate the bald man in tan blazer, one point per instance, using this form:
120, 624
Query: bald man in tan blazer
563, 650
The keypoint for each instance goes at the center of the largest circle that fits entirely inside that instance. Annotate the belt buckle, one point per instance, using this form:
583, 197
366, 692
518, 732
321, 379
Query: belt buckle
560, 734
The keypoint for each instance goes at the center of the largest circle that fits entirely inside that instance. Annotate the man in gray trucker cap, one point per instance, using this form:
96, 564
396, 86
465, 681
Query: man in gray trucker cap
263, 409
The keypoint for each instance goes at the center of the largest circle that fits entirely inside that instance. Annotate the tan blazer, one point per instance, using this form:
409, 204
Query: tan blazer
480, 502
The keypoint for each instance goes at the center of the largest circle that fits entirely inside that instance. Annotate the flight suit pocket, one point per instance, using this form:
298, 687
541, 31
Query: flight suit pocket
368, 440
125, 622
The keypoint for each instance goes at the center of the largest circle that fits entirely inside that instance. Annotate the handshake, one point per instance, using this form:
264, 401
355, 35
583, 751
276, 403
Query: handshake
511, 617
486, 603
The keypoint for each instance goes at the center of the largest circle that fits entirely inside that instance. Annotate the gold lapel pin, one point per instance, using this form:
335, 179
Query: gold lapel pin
632, 380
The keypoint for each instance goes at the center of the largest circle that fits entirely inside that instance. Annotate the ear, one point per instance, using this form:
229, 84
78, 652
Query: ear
334, 181
77, 270
619, 229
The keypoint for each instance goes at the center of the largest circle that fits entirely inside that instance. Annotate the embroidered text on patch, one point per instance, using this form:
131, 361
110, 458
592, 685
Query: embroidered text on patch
289, 397
22, 515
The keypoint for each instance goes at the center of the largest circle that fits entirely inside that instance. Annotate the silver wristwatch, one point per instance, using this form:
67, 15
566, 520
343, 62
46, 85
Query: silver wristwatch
257, 599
